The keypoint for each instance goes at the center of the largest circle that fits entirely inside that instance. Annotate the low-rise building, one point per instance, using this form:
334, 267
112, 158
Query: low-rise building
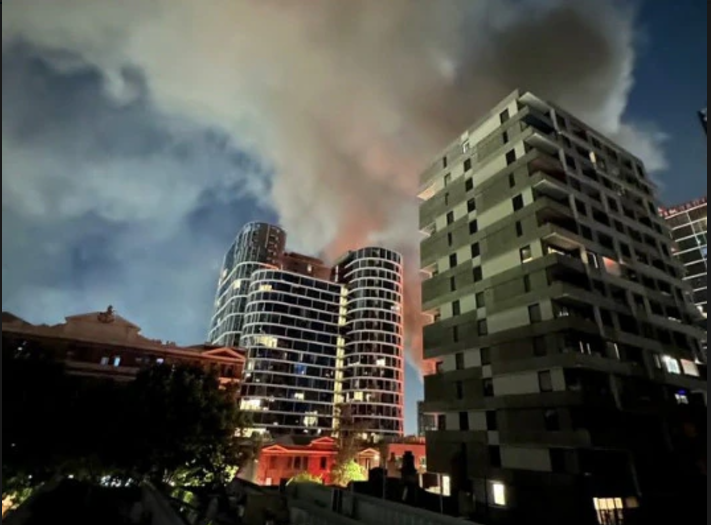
290, 456
105, 345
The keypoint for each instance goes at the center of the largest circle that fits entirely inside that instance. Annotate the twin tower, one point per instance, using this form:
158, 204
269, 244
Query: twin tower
316, 337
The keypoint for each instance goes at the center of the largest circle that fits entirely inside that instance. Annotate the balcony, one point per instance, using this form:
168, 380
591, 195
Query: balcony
547, 164
551, 185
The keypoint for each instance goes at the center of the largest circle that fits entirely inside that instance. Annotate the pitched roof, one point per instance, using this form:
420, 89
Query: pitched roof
7, 317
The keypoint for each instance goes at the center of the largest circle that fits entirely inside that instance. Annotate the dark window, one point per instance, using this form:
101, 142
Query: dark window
441, 422
478, 274
444, 162
545, 381
473, 227
453, 260
510, 157
518, 203
452, 284
483, 327
476, 250
460, 389
519, 229
469, 185
512, 180
505, 137
492, 422
534, 313
488, 387
505, 116
456, 308
446, 199
467, 165
485, 356
459, 358
581, 207
447, 179
480, 300
324, 463
495, 457
471, 205
450, 218
463, 421
552, 420
527, 283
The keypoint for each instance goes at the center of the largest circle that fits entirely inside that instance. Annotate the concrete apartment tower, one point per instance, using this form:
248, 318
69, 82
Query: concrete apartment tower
560, 326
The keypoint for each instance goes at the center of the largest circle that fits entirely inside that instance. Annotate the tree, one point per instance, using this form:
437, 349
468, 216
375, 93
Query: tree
349, 443
306, 477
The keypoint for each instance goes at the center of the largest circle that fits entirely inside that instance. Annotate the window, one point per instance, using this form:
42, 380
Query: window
492, 422
446, 199
324, 463
527, 283
552, 420
488, 387
478, 274
519, 229
672, 365
450, 218
510, 157
469, 185
453, 260
467, 165
483, 327
518, 202
499, 493
495, 457
459, 386
505, 116
485, 356
450, 239
441, 422
545, 381
456, 308
476, 250
512, 181
445, 163
471, 205
480, 300
473, 227
452, 284
526, 254
459, 360
463, 421
534, 313
447, 177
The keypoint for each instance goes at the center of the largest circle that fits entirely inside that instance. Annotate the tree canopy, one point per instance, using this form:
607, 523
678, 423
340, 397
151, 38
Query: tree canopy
171, 423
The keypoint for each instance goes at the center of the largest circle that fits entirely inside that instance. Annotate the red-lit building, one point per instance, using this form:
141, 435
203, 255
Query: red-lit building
395, 450
105, 345
281, 461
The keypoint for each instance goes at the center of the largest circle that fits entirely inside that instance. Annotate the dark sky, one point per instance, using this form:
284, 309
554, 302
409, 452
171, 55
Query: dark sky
124, 182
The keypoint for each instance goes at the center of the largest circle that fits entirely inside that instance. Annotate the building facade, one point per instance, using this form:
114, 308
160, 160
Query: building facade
559, 323
104, 345
317, 337
257, 246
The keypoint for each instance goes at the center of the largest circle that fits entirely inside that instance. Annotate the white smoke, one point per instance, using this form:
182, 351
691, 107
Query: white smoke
347, 100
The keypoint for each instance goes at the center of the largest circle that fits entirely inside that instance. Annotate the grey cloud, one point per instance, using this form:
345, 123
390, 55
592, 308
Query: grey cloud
345, 101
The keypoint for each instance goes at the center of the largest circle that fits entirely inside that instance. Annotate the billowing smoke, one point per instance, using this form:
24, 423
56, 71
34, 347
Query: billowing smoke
345, 100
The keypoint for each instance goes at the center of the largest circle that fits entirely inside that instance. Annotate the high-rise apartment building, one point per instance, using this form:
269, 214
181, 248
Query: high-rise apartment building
688, 225
316, 337
559, 323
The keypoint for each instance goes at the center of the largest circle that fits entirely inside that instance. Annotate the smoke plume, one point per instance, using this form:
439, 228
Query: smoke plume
345, 101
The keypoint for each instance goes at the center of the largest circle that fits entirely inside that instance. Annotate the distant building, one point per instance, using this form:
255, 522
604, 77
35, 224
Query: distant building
105, 345
290, 456
316, 336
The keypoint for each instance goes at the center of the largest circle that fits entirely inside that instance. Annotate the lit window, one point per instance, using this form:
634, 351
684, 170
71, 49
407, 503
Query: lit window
609, 510
251, 404
499, 490
672, 365
267, 340
299, 396
681, 398
117, 361
105, 361
311, 419
380, 362
237, 284
266, 288
690, 368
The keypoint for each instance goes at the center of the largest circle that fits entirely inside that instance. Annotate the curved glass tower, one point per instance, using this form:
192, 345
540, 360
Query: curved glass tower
373, 366
257, 246
291, 333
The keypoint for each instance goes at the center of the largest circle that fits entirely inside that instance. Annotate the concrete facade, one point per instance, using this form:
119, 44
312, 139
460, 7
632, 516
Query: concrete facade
558, 320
